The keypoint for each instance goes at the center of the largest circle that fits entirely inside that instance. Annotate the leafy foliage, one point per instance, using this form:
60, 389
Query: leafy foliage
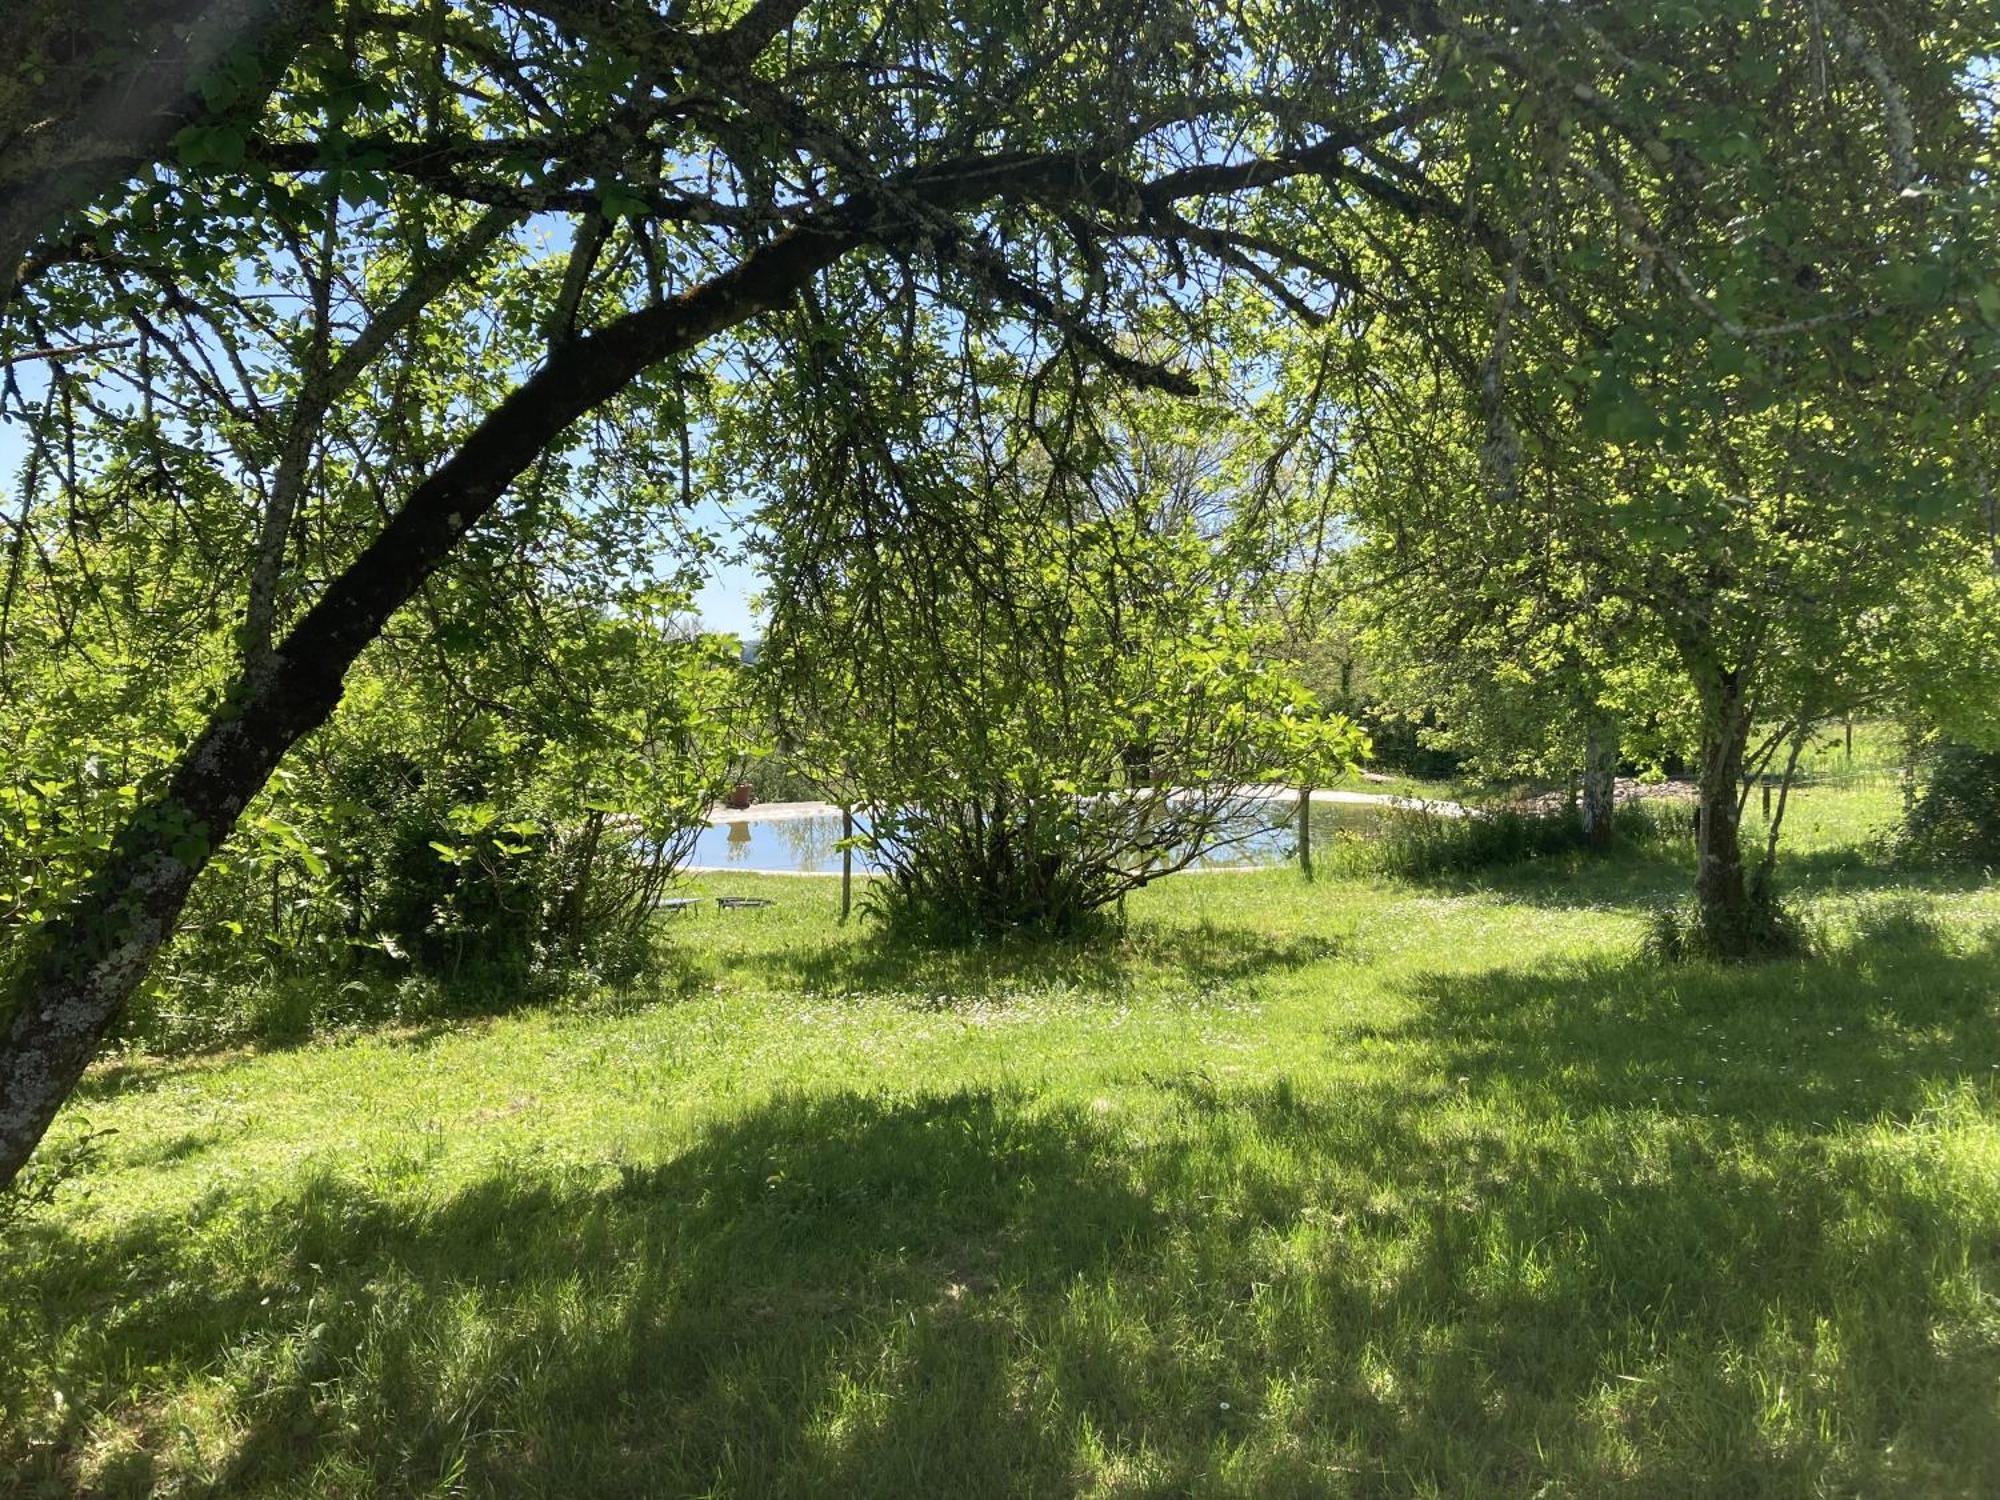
410, 283
1046, 687
491, 820
1622, 467
1424, 845
1957, 814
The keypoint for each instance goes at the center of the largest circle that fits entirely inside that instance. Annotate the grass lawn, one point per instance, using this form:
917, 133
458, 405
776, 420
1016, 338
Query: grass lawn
1346, 1188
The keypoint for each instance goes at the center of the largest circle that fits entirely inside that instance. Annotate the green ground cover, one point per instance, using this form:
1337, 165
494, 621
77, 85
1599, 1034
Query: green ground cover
1352, 1187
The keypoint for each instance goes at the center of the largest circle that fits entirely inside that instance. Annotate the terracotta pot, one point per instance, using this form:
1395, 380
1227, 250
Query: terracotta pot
742, 795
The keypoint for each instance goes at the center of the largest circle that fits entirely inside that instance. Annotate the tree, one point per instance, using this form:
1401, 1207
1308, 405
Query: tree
1726, 367
516, 768
100, 91
1499, 647
1047, 670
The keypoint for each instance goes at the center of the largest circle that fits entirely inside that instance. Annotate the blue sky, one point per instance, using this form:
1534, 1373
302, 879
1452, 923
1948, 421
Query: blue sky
724, 603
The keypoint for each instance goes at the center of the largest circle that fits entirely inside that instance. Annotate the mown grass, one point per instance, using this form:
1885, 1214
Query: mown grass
1346, 1188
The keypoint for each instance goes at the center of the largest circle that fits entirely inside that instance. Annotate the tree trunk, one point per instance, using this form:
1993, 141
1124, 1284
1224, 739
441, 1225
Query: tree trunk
846, 862
79, 970
1726, 908
1600, 780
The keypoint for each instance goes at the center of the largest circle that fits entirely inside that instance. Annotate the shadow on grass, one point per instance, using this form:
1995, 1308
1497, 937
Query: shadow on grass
1864, 867
1533, 1256
1203, 958
1869, 1029
291, 1014
1646, 877
725, 1318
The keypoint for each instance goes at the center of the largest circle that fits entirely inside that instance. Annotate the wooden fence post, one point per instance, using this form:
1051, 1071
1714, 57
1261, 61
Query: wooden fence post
1305, 831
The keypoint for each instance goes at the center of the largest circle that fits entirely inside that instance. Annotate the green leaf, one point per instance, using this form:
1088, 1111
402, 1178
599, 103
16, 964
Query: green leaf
1619, 414
622, 203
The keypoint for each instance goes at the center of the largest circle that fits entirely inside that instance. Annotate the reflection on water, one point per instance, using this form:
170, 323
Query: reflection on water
801, 844
807, 845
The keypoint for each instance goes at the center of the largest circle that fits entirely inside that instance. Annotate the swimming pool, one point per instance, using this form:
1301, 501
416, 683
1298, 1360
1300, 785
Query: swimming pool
806, 845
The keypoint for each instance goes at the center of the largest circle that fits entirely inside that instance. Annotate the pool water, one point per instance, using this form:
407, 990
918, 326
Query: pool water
806, 845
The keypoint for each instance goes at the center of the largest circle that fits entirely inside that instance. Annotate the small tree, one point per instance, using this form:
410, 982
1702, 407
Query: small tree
1950, 707
1059, 687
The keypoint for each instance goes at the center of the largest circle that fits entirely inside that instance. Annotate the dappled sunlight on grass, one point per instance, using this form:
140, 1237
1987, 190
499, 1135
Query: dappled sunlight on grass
1249, 1288
1802, 1042
1282, 1189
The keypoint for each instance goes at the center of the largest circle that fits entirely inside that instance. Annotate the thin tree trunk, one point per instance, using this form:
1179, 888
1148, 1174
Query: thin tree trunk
329, 376
1725, 908
1600, 780
575, 922
260, 609
846, 862
1767, 866
1913, 754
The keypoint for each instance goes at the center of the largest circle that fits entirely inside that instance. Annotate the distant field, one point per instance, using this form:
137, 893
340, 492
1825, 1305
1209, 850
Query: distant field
1345, 1188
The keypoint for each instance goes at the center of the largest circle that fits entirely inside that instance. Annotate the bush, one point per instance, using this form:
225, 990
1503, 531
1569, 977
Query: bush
959, 871
774, 778
1653, 821
1058, 709
422, 856
1426, 845
1957, 815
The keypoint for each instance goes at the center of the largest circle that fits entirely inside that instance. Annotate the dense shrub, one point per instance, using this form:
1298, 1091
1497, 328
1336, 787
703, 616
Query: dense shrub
1426, 845
962, 871
1057, 708
775, 777
443, 848
510, 778
1399, 744
958, 868
1957, 814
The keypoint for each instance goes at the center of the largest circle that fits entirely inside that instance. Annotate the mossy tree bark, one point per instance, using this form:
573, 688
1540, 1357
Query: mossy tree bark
96, 91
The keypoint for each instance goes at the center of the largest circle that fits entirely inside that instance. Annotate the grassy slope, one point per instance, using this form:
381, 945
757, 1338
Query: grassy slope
1338, 1189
